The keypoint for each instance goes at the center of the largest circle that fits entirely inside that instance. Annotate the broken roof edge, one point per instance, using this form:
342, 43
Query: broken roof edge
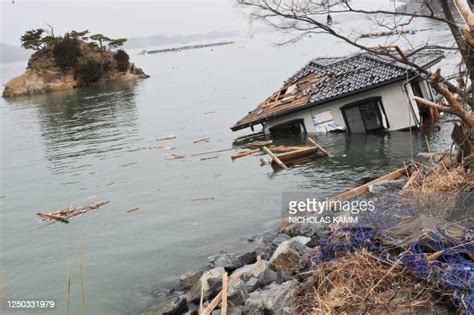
281, 113
410, 71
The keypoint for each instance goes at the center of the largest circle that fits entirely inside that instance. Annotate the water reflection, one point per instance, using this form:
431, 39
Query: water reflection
85, 121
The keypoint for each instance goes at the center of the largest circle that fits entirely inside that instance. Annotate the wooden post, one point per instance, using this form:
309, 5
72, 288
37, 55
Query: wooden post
224, 294
318, 146
277, 160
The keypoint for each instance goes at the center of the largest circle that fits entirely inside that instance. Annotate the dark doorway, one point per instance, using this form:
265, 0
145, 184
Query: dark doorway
364, 116
289, 128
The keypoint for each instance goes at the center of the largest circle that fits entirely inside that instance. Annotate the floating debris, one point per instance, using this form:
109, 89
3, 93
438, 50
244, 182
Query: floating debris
132, 210
208, 113
202, 140
65, 214
209, 158
210, 152
244, 153
174, 157
202, 199
166, 138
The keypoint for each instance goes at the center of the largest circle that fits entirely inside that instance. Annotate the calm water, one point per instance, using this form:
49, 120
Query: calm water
99, 143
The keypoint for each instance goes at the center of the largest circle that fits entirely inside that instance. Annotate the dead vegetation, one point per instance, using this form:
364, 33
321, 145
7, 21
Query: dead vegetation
361, 284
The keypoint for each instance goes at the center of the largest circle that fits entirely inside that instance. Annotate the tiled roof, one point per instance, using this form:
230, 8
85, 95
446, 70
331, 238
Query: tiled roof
326, 79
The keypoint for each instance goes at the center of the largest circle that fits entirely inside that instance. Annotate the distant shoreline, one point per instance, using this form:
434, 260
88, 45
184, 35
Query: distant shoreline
175, 49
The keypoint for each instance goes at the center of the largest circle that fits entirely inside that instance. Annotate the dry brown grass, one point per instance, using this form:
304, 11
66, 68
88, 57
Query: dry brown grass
361, 284
447, 177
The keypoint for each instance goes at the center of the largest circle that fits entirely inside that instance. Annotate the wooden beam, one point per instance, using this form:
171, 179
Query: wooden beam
215, 301
297, 154
413, 178
363, 188
277, 160
318, 146
240, 154
224, 294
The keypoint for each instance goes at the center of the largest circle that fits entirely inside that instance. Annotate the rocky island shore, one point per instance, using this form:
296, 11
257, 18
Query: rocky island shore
70, 61
413, 255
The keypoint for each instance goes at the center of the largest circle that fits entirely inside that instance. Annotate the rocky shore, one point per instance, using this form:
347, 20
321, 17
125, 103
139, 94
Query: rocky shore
275, 276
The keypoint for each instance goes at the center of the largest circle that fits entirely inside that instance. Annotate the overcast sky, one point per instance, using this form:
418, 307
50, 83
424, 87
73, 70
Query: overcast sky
119, 18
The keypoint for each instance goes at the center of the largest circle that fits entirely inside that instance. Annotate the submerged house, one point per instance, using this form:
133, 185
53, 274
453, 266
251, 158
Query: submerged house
359, 93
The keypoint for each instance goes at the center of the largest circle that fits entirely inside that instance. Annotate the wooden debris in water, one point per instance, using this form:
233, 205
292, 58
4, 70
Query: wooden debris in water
284, 148
209, 158
174, 157
132, 209
258, 143
241, 154
202, 140
202, 199
211, 112
275, 158
210, 152
166, 138
65, 214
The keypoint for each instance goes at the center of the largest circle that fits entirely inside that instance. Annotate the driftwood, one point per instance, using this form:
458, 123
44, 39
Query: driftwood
65, 214
275, 158
132, 209
166, 138
202, 199
413, 179
244, 153
284, 148
318, 146
202, 140
174, 157
210, 152
209, 158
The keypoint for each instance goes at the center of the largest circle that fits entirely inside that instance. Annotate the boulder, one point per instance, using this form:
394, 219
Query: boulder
236, 292
274, 299
252, 284
189, 279
260, 271
286, 257
177, 306
211, 281
230, 262
313, 231
280, 239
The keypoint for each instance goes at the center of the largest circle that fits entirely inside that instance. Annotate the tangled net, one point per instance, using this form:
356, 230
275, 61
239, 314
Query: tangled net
350, 259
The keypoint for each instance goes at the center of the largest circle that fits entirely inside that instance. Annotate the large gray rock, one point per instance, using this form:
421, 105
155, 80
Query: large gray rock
286, 257
236, 292
260, 271
189, 279
274, 299
313, 231
176, 306
211, 281
231, 262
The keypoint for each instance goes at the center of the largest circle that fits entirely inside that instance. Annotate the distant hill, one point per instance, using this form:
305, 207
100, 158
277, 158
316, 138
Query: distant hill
158, 40
9, 53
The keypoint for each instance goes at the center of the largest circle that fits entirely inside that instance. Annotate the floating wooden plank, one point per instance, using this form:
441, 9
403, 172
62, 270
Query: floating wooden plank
275, 158
202, 140
241, 154
174, 157
318, 146
209, 158
284, 149
202, 199
364, 188
166, 138
132, 209
298, 154
210, 152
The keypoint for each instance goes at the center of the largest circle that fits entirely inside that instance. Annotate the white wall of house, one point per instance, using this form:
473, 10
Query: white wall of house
400, 110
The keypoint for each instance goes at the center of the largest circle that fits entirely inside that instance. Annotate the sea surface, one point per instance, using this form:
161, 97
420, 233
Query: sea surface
100, 143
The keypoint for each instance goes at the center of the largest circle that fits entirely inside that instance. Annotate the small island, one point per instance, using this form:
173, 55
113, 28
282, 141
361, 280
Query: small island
69, 61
